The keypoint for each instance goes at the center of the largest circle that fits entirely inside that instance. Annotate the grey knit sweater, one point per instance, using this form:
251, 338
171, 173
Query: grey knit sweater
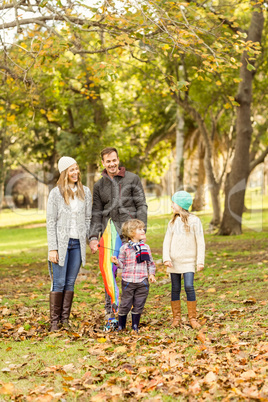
59, 222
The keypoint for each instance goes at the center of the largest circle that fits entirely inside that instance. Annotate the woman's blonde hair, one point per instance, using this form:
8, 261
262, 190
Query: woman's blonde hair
66, 190
184, 215
129, 228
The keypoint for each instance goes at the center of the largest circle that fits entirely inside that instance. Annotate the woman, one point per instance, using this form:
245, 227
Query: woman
68, 223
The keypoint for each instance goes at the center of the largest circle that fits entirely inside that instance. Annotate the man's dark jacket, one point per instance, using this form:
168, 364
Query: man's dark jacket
121, 198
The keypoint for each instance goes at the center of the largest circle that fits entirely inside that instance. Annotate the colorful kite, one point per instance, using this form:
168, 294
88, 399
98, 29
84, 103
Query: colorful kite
109, 246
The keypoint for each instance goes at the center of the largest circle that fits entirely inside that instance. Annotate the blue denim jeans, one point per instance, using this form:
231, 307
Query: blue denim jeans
188, 286
64, 277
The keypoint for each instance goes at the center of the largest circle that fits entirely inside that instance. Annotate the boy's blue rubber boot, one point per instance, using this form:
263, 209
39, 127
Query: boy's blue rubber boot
135, 322
122, 319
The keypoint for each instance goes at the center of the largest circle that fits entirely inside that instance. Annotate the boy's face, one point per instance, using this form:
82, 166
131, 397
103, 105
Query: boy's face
138, 234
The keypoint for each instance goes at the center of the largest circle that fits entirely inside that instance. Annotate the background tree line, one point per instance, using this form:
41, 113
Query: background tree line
146, 77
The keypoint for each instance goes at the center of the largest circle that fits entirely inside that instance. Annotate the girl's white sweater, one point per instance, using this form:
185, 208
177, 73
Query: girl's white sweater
184, 249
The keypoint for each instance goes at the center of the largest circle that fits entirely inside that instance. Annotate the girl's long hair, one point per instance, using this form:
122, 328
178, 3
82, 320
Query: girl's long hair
184, 215
66, 190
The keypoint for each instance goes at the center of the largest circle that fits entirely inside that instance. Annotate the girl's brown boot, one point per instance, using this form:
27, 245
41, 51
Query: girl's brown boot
176, 311
192, 314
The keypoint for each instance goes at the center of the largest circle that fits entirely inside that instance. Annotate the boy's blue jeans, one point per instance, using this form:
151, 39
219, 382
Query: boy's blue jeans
188, 286
64, 277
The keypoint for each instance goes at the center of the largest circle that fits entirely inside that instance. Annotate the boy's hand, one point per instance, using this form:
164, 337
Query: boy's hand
152, 279
114, 260
199, 268
168, 264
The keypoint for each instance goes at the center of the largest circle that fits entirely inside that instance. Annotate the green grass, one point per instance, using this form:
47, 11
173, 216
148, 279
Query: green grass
18, 217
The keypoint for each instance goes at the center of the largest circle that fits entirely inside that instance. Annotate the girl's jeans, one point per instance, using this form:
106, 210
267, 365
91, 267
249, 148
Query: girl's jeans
64, 277
188, 286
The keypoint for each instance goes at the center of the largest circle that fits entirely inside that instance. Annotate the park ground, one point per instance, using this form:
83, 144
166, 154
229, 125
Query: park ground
227, 360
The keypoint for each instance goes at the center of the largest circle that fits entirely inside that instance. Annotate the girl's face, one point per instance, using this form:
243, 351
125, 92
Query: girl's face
72, 173
175, 208
138, 235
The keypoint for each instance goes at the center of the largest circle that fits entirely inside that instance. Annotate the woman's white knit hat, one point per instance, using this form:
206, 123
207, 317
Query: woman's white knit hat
65, 162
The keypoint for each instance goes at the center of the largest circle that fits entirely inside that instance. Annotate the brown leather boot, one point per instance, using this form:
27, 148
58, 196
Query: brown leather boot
55, 301
66, 307
192, 314
176, 310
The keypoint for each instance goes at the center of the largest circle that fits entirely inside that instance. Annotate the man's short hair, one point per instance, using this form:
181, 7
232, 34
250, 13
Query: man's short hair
130, 226
108, 151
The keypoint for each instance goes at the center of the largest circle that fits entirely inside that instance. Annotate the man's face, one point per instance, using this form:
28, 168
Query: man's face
111, 163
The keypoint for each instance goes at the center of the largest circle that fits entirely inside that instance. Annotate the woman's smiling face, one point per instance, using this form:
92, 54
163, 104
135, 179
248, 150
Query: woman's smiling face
73, 172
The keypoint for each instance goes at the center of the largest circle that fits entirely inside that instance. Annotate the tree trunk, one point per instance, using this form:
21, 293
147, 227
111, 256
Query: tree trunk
91, 171
199, 200
179, 149
2, 167
236, 180
214, 185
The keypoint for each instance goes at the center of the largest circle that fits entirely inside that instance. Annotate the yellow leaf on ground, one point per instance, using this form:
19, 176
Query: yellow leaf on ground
211, 290
7, 389
101, 340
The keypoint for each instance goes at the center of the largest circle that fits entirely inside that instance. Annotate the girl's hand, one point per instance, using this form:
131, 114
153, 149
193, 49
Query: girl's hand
199, 268
168, 264
53, 256
152, 278
114, 260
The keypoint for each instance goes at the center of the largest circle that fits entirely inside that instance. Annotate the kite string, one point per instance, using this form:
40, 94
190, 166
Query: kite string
107, 248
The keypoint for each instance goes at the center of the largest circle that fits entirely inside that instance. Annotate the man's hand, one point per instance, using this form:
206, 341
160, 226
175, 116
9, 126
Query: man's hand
152, 278
168, 264
93, 244
114, 260
199, 268
53, 256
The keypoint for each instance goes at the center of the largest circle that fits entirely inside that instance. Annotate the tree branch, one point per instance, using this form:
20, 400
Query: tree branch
259, 160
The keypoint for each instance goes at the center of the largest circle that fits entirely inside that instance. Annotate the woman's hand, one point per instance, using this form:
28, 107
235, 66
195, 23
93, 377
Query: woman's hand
53, 256
93, 244
114, 260
168, 264
152, 278
199, 268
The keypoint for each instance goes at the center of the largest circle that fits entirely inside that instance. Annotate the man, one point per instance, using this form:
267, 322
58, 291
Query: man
117, 195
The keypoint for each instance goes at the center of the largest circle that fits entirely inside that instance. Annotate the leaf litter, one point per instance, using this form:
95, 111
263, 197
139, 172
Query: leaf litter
227, 359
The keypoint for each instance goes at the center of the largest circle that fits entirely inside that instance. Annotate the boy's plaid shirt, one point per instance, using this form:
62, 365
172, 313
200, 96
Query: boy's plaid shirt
132, 271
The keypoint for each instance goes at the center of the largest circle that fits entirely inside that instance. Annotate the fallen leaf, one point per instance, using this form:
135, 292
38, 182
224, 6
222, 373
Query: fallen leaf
211, 290
7, 389
210, 377
69, 368
101, 340
201, 337
247, 375
250, 300
195, 388
120, 349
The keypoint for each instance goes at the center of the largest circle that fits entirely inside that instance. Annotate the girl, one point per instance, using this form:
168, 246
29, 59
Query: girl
68, 222
135, 259
183, 250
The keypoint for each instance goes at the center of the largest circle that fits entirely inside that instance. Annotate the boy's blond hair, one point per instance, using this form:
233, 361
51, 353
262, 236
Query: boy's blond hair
130, 226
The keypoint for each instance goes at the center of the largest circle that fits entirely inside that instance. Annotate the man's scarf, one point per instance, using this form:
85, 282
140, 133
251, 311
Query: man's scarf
140, 250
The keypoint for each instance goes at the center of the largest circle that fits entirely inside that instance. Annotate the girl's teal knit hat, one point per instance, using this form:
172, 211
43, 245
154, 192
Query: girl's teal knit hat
183, 199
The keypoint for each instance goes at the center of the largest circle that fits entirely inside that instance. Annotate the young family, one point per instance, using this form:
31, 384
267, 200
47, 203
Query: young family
73, 220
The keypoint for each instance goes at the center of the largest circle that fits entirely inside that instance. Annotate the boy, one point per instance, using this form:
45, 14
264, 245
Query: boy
135, 259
